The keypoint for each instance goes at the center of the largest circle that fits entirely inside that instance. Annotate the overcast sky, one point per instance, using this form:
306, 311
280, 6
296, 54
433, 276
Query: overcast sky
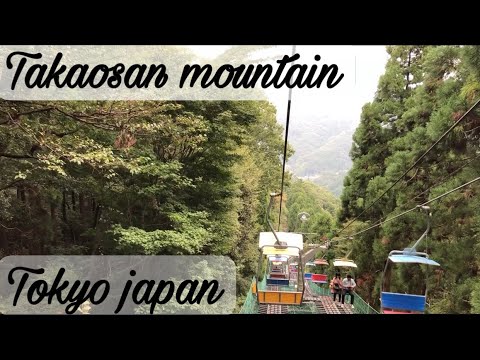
362, 66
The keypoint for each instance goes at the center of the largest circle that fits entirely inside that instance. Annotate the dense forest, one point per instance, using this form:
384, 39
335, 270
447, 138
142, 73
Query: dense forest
423, 91
137, 178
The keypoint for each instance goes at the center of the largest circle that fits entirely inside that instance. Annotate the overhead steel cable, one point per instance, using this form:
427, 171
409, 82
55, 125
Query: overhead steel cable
286, 143
442, 181
381, 221
412, 166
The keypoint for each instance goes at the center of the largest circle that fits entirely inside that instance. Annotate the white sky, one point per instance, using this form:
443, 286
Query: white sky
362, 65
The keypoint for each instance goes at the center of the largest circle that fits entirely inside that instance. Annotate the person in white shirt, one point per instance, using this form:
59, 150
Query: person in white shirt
348, 285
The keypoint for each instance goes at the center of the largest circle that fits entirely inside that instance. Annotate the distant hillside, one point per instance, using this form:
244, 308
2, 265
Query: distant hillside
321, 151
318, 202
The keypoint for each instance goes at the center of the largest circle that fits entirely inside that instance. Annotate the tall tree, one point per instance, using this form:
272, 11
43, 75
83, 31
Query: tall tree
424, 90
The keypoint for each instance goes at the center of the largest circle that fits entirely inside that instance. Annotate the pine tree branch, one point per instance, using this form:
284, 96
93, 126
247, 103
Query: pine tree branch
10, 185
15, 117
17, 156
15, 228
34, 111
94, 124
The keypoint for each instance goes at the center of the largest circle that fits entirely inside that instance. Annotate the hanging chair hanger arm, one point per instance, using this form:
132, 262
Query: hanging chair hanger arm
272, 195
424, 235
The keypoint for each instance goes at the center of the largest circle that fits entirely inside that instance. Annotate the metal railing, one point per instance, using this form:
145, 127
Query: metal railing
250, 306
361, 307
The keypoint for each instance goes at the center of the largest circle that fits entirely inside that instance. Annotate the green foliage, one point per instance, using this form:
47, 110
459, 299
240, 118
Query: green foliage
319, 203
423, 92
189, 236
138, 177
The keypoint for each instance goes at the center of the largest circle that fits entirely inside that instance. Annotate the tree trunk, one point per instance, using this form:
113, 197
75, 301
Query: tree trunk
97, 216
408, 69
53, 221
73, 200
3, 240
64, 207
81, 204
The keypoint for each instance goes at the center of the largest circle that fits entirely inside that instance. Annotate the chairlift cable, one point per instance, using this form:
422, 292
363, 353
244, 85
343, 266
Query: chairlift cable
442, 181
413, 165
381, 222
286, 143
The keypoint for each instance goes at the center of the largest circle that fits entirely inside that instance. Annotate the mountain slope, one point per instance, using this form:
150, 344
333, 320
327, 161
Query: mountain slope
322, 151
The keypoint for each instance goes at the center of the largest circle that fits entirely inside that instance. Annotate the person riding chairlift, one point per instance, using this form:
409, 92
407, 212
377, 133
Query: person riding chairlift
348, 285
336, 287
